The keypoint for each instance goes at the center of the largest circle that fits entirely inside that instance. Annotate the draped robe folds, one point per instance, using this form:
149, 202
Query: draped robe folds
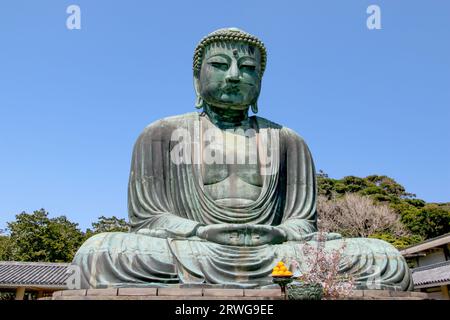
167, 203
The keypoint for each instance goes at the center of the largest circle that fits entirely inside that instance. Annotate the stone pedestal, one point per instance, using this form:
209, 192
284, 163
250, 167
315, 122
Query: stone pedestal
216, 294
386, 295
169, 294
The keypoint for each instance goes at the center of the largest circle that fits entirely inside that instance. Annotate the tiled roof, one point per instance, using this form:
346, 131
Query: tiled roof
33, 274
432, 275
428, 244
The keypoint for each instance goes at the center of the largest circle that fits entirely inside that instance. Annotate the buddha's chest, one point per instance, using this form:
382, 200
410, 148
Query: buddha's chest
230, 163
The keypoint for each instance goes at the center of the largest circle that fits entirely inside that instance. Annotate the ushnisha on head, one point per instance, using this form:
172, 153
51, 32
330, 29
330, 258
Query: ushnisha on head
228, 67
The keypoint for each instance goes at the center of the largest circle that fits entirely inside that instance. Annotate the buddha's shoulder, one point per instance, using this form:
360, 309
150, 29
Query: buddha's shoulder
284, 131
170, 123
266, 123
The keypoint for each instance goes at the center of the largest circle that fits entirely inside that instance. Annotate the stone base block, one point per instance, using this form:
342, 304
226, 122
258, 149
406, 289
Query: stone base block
217, 294
169, 294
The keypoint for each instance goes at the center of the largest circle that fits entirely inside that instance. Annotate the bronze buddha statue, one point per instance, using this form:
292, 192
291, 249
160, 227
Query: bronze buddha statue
218, 196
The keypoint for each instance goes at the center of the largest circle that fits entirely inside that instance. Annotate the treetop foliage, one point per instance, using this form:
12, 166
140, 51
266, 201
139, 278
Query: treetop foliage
36, 237
422, 220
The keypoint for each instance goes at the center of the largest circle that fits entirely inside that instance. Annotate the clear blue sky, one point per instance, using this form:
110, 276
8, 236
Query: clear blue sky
72, 102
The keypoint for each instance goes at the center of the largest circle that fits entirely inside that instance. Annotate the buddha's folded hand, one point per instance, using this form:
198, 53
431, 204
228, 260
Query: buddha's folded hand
242, 234
321, 236
165, 233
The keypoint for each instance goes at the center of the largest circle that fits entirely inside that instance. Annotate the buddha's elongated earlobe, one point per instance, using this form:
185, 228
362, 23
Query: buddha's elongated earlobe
254, 107
199, 102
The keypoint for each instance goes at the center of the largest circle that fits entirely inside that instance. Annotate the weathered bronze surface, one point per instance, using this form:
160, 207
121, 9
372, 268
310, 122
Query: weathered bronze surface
218, 196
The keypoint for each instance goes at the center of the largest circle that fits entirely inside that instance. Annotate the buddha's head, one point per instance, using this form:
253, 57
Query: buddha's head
228, 68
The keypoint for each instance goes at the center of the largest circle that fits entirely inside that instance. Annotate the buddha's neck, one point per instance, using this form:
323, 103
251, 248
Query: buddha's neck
226, 117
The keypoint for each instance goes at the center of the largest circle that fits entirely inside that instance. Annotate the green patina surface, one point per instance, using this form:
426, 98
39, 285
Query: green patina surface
218, 221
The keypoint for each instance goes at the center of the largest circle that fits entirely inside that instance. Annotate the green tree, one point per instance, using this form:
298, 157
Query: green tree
325, 185
36, 237
382, 187
389, 185
398, 242
424, 220
429, 221
105, 224
5, 246
63, 240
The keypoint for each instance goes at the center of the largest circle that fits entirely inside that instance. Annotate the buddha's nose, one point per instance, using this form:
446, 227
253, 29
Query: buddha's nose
233, 73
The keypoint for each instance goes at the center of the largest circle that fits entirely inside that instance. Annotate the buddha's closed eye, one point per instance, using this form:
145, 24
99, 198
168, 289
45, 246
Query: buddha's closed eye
219, 65
248, 67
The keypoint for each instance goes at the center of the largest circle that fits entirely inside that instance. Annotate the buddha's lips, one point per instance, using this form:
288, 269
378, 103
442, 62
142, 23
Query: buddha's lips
231, 89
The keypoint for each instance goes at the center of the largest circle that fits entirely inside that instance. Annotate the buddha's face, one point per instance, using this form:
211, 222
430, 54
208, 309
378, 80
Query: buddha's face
230, 75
